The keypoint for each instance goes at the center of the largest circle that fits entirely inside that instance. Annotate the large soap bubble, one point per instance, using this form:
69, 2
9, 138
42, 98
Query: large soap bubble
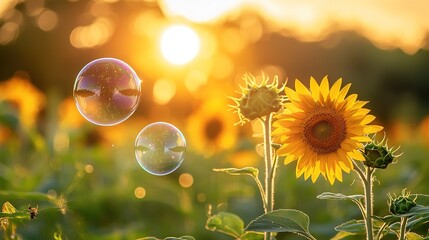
160, 148
107, 91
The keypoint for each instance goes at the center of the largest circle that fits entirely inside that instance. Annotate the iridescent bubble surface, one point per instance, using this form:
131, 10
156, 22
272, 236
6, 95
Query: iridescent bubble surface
107, 91
160, 148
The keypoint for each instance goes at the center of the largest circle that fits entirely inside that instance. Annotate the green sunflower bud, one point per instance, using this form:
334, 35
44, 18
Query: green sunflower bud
402, 204
258, 100
378, 155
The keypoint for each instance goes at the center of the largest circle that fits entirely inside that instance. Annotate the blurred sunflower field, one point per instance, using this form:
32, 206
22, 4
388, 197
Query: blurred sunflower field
63, 177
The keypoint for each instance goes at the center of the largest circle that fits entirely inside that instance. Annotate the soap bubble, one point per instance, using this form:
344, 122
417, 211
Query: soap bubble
160, 148
107, 91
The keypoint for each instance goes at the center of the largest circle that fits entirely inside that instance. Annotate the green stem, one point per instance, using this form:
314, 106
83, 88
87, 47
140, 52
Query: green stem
262, 192
368, 203
367, 180
380, 231
403, 229
269, 169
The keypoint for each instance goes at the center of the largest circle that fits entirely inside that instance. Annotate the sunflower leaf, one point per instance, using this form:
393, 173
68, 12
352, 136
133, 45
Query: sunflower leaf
342, 235
282, 220
252, 236
339, 196
421, 199
239, 171
353, 226
413, 236
227, 223
169, 238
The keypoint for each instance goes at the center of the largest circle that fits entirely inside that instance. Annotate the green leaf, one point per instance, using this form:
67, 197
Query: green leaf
252, 236
17, 215
353, 226
239, 171
227, 223
339, 196
417, 216
342, 235
169, 238
413, 236
282, 220
416, 221
25, 195
421, 199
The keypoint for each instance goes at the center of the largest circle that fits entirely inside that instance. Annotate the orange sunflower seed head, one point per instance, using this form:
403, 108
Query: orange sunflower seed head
258, 100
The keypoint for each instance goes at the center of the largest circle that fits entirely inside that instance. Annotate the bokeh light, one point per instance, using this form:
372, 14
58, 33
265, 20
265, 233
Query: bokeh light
140, 192
179, 44
163, 91
51, 154
186, 180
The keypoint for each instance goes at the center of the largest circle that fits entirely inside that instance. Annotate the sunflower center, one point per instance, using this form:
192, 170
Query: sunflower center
324, 130
213, 128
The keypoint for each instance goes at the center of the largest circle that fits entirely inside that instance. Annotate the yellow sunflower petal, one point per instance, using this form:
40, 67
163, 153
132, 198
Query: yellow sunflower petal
316, 172
331, 177
288, 159
351, 99
368, 119
307, 101
335, 89
356, 155
300, 167
338, 173
301, 88
308, 170
314, 87
345, 163
291, 94
343, 92
362, 138
372, 129
324, 88
292, 107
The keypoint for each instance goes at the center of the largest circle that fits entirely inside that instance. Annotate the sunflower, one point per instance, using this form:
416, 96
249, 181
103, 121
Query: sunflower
322, 129
22, 94
210, 127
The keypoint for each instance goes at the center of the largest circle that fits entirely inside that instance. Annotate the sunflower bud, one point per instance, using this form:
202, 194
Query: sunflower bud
258, 100
402, 204
378, 155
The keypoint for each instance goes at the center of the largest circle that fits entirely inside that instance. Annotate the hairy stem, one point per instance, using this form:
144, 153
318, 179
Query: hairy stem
367, 180
262, 192
380, 231
269, 169
403, 229
368, 203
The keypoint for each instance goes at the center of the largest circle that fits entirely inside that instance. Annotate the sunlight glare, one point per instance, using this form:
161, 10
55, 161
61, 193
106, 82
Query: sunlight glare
180, 44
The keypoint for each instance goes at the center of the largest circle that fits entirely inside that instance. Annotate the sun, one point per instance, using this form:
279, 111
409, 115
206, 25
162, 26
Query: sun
180, 44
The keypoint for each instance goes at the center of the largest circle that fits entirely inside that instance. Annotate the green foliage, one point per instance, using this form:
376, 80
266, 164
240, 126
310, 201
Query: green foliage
413, 236
169, 238
251, 171
232, 225
282, 220
339, 196
227, 223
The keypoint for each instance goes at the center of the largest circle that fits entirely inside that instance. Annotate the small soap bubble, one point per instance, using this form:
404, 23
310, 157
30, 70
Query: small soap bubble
107, 91
160, 148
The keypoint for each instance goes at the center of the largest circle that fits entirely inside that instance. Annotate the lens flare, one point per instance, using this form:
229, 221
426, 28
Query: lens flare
180, 44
